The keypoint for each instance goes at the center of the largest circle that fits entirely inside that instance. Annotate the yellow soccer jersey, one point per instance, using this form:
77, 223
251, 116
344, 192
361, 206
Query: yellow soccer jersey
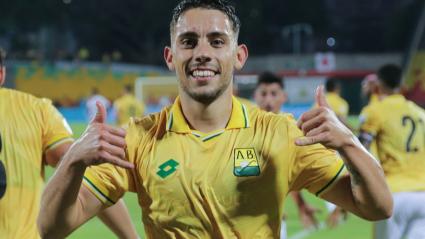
29, 126
373, 98
230, 183
373, 147
398, 126
126, 107
337, 104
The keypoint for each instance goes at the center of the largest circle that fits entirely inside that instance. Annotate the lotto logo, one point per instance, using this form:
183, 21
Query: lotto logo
167, 168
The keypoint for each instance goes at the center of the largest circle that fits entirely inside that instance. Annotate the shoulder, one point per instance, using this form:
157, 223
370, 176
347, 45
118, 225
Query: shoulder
370, 111
29, 101
262, 119
416, 108
19, 95
343, 101
150, 124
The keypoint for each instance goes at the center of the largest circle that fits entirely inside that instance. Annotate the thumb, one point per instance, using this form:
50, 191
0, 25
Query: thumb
320, 97
100, 116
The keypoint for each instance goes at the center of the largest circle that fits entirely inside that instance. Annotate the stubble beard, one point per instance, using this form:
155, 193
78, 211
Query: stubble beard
208, 97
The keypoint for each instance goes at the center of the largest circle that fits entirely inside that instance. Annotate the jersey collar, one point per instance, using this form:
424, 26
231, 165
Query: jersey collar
176, 121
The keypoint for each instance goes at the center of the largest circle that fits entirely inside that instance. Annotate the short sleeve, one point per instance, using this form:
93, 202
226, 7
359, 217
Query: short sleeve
314, 167
55, 129
109, 182
369, 120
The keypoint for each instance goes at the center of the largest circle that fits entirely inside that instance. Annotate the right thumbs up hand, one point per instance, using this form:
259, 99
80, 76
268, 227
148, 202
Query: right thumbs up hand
100, 143
321, 125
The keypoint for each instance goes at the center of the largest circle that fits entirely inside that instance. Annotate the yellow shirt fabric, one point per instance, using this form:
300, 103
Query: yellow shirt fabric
337, 104
373, 98
29, 126
398, 127
128, 106
230, 183
373, 147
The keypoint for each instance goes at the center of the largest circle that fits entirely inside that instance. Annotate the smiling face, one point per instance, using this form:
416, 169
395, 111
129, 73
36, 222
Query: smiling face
204, 53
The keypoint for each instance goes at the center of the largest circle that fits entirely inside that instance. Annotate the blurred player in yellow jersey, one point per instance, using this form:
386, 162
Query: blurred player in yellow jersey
270, 96
34, 134
336, 102
207, 166
127, 106
398, 127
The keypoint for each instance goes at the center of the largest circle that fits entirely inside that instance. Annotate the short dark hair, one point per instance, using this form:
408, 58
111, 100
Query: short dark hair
2, 57
390, 75
331, 85
223, 6
128, 88
270, 78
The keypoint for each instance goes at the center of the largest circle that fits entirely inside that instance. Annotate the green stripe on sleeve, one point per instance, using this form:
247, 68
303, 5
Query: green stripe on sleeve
330, 182
97, 190
58, 142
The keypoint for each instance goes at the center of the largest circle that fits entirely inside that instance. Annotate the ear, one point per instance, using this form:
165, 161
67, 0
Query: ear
168, 57
2, 75
241, 56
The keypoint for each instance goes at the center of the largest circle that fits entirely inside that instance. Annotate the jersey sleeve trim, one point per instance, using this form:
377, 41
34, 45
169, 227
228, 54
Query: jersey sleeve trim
331, 181
96, 191
59, 141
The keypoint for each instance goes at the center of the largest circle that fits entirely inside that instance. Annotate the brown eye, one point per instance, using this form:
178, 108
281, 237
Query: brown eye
188, 43
217, 43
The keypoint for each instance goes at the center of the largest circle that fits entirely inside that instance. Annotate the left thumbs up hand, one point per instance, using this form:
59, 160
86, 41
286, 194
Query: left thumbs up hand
321, 125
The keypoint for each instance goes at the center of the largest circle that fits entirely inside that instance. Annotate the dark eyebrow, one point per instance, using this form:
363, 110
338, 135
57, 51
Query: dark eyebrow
195, 35
188, 35
217, 34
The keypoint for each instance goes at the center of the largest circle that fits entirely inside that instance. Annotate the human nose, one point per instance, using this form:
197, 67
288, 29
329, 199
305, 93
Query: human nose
202, 52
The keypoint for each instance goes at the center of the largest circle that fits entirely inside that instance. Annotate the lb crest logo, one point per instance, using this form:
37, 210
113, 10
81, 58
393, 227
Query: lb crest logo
246, 162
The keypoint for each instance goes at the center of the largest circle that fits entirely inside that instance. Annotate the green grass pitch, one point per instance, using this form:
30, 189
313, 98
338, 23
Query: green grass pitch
354, 228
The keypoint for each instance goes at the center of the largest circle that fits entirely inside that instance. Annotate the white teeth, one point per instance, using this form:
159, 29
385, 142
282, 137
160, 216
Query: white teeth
203, 73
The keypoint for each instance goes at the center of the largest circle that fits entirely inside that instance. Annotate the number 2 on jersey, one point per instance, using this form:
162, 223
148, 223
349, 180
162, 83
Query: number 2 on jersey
409, 121
2, 172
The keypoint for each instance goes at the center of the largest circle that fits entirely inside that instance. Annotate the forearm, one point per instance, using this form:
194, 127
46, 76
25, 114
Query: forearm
371, 195
58, 212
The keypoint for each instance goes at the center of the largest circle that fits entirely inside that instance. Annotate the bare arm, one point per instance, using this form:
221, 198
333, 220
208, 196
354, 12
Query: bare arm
116, 217
65, 204
118, 220
305, 211
364, 192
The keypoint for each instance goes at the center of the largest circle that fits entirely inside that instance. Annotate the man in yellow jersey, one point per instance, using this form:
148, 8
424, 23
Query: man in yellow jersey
398, 127
207, 167
270, 96
34, 134
127, 106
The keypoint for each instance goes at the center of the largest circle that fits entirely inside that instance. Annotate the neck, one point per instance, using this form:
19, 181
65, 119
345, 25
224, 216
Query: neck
207, 117
387, 92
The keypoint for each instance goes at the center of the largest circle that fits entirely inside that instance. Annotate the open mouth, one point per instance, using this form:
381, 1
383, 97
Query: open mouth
203, 74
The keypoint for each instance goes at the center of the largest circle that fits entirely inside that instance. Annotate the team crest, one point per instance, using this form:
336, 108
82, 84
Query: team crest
246, 162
